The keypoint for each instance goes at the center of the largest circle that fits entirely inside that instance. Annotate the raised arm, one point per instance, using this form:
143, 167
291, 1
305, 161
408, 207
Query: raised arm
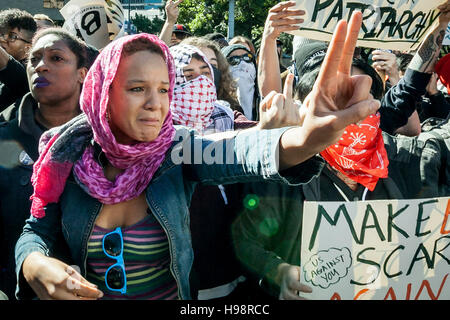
172, 12
399, 103
428, 53
281, 18
337, 100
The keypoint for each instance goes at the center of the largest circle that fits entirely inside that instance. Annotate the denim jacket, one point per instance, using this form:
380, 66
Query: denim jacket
250, 156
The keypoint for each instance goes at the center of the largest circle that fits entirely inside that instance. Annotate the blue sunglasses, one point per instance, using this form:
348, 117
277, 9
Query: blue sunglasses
115, 276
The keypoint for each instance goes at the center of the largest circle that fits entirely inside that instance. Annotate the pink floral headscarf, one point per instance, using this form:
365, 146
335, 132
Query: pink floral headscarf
67, 147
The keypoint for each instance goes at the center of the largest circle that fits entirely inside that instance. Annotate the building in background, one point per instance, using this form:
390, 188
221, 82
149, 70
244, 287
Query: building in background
149, 8
49, 7
142, 4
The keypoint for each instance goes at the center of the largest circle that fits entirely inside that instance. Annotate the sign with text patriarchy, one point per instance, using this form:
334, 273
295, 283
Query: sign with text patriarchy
377, 250
387, 24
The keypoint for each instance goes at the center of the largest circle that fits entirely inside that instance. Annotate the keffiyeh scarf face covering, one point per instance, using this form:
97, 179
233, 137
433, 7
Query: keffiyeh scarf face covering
360, 153
70, 146
193, 101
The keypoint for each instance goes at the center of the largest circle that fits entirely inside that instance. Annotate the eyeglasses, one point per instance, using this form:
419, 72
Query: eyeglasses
115, 277
12, 37
235, 60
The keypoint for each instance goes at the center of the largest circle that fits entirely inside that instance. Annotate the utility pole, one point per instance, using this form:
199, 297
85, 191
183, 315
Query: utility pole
129, 20
231, 20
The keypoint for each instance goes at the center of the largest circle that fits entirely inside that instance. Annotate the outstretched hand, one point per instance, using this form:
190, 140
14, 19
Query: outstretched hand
337, 100
444, 17
52, 279
386, 62
290, 286
279, 110
282, 18
172, 10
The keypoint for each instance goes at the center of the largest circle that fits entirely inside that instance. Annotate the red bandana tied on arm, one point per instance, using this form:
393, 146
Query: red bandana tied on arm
360, 153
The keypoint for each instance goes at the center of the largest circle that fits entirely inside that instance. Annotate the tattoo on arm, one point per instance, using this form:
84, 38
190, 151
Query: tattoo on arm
428, 53
424, 57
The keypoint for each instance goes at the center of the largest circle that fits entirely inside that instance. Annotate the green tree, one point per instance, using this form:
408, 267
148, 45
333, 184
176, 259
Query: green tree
207, 16
144, 24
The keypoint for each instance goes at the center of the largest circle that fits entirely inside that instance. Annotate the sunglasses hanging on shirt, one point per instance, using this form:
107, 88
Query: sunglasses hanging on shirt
115, 276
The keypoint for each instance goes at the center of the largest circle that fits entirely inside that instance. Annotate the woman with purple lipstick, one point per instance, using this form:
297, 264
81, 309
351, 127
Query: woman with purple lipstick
56, 69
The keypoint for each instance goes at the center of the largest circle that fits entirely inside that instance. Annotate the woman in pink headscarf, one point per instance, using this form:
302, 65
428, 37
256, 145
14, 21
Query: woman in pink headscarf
113, 185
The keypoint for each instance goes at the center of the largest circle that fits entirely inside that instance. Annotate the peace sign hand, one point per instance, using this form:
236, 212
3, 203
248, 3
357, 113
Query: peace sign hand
337, 100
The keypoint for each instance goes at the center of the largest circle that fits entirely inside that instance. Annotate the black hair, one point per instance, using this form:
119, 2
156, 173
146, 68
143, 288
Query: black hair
15, 18
197, 56
76, 45
310, 71
377, 89
141, 44
403, 60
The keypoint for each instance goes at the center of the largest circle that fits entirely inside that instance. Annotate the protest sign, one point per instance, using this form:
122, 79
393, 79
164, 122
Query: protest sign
446, 41
387, 24
378, 250
97, 22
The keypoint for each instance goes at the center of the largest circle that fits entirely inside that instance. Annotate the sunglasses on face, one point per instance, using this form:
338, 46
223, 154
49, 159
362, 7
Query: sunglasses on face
12, 37
235, 60
115, 277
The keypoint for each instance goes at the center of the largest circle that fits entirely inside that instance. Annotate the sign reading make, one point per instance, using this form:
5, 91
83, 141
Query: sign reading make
380, 250
387, 24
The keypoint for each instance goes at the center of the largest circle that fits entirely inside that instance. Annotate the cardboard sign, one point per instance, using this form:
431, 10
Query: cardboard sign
387, 24
97, 22
377, 250
446, 40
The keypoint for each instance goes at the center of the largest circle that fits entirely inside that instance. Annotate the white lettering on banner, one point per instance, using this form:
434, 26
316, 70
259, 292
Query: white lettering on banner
387, 24
378, 250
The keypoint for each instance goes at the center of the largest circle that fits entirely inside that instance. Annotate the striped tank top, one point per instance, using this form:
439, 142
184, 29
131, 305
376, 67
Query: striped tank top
146, 256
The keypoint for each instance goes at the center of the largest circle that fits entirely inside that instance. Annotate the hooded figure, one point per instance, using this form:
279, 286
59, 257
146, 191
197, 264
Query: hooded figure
244, 71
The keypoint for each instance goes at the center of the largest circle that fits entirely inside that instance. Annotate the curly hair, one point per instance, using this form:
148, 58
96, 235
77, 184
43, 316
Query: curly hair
227, 88
15, 18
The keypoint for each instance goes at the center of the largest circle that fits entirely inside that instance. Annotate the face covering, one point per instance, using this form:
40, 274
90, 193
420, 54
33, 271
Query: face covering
360, 153
245, 74
193, 100
193, 103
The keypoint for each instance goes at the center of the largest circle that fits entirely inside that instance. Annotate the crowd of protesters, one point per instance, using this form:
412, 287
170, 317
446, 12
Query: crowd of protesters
101, 186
